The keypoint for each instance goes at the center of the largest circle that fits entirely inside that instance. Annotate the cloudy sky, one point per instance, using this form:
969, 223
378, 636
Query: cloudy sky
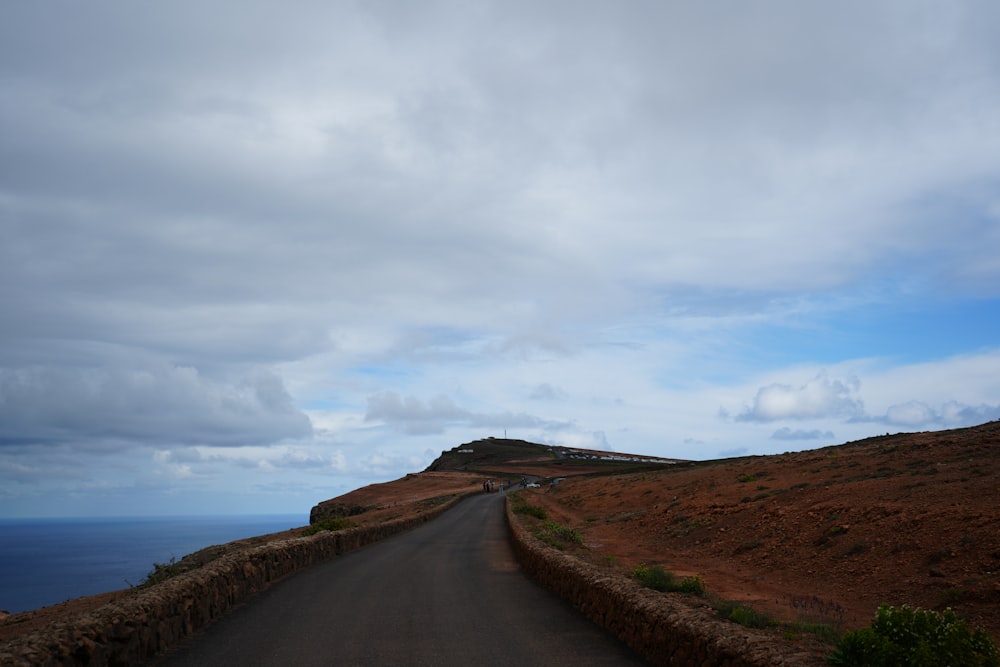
254, 255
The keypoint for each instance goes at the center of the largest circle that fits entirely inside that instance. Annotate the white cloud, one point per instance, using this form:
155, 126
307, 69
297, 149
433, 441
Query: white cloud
574, 221
952, 413
818, 398
417, 417
413, 415
911, 413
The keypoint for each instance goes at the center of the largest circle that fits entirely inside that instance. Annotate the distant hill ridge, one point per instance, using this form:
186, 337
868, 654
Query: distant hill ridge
505, 455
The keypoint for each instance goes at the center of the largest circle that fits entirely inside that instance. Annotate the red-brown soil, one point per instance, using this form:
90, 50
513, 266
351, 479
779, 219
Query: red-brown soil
824, 535
405, 496
818, 536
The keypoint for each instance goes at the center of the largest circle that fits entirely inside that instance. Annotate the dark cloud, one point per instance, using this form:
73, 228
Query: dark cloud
951, 414
153, 404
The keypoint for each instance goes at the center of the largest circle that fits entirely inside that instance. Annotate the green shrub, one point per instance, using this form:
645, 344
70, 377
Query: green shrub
655, 577
557, 535
905, 637
745, 616
332, 524
529, 509
161, 572
693, 585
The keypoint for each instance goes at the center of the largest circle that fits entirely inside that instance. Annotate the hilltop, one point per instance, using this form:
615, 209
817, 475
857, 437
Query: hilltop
500, 456
468, 465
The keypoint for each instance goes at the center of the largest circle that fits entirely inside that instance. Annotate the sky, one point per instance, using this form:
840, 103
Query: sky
254, 255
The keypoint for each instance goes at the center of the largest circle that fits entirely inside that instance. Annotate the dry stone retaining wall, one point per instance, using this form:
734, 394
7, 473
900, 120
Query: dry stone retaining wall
136, 628
660, 627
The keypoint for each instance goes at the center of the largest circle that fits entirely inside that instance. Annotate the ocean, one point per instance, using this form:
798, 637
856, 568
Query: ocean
47, 561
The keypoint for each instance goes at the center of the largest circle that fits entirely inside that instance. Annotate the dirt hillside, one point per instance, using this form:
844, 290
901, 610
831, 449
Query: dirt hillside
824, 535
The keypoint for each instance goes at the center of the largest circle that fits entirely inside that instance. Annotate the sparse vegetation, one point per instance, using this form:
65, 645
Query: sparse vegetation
330, 524
655, 577
745, 616
904, 637
162, 571
524, 507
858, 510
821, 631
686, 525
557, 535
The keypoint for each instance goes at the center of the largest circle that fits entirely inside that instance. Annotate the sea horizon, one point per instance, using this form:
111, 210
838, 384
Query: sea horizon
50, 560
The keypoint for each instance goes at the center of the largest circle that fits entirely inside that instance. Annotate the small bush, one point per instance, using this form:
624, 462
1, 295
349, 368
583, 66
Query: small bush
906, 637
529, 509
655, 577
331, 524
745, 616
557, 535
161, 572
692, 585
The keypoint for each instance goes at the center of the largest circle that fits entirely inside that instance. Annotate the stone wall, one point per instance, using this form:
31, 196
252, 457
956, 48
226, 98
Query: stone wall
663, 628
152, 620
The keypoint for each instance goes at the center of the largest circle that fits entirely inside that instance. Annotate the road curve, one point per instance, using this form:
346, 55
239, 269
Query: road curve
446, 593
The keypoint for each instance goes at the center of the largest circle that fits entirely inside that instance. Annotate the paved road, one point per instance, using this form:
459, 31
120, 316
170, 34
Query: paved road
446, 593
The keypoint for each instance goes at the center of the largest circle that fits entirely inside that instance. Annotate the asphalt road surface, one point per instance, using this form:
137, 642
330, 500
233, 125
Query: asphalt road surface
446, 593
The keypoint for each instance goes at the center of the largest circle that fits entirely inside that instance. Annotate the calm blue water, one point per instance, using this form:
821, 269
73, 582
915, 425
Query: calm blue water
46, 561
